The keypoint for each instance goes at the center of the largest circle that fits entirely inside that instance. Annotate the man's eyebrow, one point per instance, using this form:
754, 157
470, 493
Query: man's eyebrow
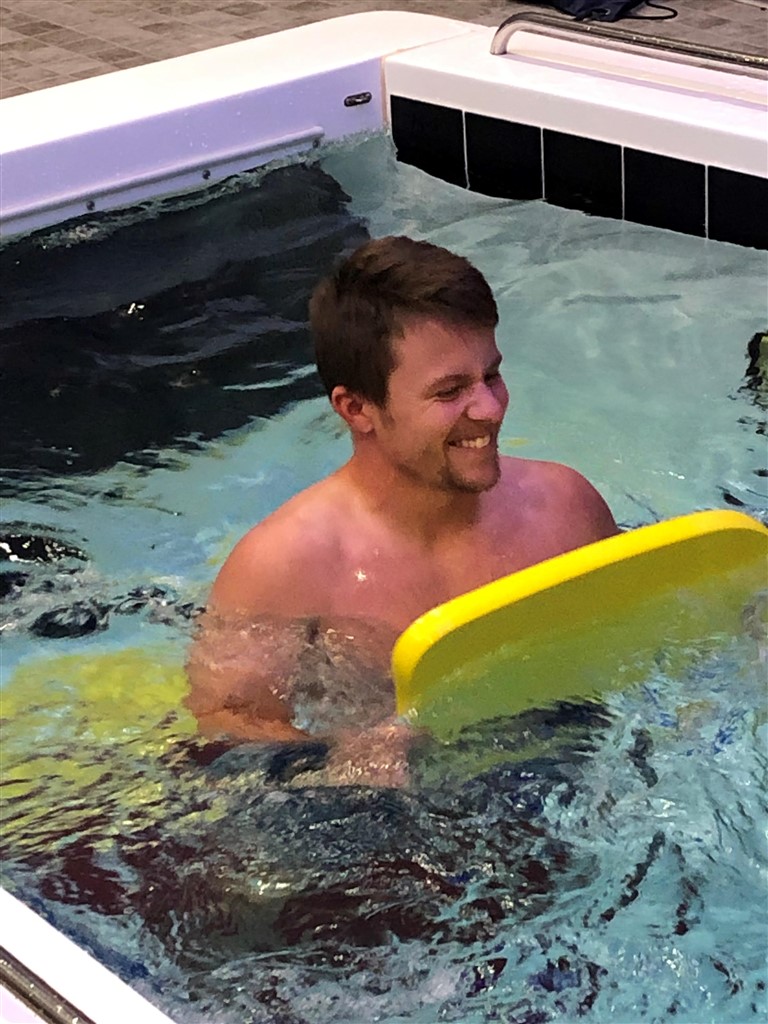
450, 377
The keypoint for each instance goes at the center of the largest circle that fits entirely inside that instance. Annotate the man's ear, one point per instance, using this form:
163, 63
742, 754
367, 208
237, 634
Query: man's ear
353, 409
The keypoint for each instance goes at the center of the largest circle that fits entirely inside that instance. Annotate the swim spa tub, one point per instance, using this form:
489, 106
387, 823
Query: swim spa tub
452, 107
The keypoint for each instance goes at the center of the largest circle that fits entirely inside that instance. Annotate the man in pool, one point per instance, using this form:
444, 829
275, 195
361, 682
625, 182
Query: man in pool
425, 508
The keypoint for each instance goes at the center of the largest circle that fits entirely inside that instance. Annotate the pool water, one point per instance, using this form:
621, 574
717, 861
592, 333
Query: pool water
608, 862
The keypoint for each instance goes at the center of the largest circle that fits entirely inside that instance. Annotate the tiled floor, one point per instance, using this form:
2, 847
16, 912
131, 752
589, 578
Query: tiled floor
49, 42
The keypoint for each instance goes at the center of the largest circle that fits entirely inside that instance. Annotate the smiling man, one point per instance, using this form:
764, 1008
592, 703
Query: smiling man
425, 508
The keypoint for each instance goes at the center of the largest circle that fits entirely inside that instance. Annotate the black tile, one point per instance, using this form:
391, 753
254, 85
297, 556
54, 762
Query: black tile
582, 174
738, 208
430, 137
664, 192
503, 158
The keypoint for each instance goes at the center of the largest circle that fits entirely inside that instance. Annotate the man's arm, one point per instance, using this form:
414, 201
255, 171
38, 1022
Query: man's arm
239, 673
251, 637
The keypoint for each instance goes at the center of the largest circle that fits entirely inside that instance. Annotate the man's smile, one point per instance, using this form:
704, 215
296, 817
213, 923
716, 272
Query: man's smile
472, 442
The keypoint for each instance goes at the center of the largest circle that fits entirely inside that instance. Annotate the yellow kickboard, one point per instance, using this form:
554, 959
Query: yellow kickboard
573, 627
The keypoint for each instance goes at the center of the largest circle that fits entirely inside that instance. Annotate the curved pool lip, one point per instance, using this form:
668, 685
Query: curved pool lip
68, 970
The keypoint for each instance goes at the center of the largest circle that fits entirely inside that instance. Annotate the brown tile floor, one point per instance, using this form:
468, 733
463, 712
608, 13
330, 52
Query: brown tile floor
48, 42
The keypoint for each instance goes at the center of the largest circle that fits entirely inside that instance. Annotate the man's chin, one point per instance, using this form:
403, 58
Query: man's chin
475, 484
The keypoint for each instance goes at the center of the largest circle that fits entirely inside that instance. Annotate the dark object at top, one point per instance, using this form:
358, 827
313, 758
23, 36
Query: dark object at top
596, 10
756, 375
757, 353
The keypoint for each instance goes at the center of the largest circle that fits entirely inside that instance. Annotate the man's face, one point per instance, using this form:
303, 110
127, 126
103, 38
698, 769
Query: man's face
445, 404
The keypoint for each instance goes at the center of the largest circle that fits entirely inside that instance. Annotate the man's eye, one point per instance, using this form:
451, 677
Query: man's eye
493, 376
447, 393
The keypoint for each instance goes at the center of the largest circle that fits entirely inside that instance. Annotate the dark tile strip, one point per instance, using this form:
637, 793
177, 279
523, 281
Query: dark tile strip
430, 137
582, 174
738, 208
664, 192
517, 161
503, 158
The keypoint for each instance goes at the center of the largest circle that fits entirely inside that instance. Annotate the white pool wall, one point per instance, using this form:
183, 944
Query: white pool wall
185, 123
687, 112
67, 969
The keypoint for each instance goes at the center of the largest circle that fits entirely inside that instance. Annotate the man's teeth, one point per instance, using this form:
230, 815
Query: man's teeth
474, 442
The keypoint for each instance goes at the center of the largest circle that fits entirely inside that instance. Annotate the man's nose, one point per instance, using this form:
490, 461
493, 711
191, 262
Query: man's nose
488, 402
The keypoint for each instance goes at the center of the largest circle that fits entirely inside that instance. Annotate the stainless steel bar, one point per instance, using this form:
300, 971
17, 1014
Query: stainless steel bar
35, 993
663, 48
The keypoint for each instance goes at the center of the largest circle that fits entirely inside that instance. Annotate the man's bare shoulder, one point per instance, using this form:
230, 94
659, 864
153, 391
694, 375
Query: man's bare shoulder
280, 565
558, 496
537, 472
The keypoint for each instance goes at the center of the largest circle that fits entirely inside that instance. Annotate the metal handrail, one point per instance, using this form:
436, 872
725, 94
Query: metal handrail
37, 994
712, 57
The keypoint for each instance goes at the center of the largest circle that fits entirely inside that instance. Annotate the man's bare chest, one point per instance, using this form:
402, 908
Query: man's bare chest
398, 586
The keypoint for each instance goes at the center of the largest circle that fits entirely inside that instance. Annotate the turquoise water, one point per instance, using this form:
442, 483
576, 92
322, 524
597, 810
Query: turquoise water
612, 866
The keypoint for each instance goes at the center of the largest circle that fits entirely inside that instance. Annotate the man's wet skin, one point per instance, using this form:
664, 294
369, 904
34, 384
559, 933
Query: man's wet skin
339, 692
425, 509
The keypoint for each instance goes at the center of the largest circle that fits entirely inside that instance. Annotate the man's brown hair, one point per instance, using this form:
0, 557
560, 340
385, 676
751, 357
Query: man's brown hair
357, 312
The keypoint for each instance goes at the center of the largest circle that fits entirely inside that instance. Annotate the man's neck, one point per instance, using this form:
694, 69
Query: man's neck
425, 513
